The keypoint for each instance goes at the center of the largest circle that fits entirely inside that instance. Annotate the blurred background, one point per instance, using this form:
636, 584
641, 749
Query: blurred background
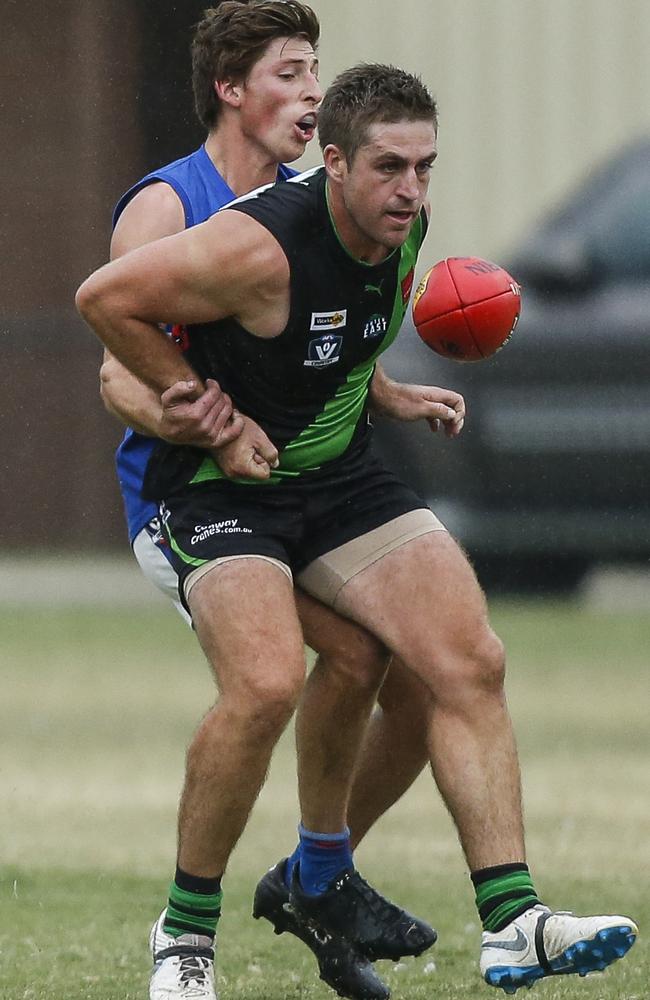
535, 101
544, 167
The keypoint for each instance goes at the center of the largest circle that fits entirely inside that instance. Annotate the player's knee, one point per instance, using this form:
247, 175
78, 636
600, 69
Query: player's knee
474, 668
353, 656
485, 664
269, 699
404, 693
360, 665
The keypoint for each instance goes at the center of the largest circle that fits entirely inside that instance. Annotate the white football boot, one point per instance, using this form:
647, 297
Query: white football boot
183, 967
541, 943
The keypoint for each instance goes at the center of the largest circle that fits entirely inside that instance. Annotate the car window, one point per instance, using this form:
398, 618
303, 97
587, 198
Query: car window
619, 243
600, 233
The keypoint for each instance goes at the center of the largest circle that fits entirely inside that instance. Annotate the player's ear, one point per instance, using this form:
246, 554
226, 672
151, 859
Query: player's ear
335, 163
229, 92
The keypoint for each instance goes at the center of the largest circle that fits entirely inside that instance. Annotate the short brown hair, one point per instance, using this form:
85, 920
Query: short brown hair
366, 94
232, 36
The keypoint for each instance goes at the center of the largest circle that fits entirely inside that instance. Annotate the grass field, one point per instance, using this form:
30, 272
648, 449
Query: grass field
96, 709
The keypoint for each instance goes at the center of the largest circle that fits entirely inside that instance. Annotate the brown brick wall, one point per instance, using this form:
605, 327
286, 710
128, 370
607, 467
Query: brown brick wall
71, 146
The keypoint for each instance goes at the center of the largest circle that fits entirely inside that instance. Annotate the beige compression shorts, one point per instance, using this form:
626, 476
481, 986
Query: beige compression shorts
325, 576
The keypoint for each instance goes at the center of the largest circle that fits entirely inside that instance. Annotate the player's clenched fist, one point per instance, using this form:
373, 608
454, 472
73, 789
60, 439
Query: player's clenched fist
202, 418
251, 456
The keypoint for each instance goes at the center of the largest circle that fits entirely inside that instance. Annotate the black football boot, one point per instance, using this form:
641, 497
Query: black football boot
341, 965
353, 909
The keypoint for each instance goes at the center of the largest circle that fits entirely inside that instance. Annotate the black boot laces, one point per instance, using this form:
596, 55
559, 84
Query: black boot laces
376, 903
193, 967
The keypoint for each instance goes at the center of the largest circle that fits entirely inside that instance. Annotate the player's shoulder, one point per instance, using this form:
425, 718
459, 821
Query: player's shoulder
297, 190
158, 194
288, 210
153, 212
169, 184
251, 246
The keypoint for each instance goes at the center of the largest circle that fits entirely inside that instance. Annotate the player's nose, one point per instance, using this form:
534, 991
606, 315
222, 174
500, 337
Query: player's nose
409, 187
314, 92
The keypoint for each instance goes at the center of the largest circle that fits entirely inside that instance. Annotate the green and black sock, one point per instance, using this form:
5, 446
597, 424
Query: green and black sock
194, 905
503, 893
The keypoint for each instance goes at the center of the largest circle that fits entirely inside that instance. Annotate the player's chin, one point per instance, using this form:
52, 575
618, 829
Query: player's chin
394, 237
290, 151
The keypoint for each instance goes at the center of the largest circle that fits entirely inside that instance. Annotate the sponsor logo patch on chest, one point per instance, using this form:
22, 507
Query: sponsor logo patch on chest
376, 326
323, 351
329, 320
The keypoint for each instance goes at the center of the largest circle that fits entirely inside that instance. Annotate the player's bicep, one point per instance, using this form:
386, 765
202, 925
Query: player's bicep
201, 274
221, 266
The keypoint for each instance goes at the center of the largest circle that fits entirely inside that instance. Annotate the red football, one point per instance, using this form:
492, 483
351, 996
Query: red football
466, 308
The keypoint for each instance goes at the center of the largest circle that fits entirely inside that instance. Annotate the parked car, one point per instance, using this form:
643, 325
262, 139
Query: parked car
552, 472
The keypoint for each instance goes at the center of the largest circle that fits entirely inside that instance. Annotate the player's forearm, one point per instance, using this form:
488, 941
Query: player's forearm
144, 350
141, 347
128, 399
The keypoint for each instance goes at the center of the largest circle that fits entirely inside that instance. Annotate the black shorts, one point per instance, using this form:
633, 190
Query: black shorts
294, 523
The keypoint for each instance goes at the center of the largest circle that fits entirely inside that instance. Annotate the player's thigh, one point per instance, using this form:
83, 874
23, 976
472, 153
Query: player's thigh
342, 644
423, 599
245, 617
229, 548
378, 555
351, 519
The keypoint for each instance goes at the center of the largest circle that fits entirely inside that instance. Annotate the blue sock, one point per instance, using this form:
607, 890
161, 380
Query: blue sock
291, 863
322, 857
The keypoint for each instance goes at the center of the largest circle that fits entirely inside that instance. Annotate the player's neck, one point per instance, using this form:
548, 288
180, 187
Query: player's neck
243, 165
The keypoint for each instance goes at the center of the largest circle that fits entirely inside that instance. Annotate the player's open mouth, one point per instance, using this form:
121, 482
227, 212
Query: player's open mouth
307, 127
402, 217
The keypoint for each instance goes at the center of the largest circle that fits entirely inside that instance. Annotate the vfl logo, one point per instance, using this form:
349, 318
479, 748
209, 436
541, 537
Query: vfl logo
375, 326
154, 529
329, 320
323, 351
